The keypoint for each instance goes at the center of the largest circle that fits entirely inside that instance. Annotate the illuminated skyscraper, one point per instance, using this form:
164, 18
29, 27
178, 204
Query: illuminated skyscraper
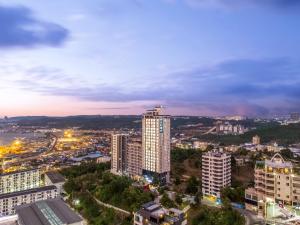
156, 145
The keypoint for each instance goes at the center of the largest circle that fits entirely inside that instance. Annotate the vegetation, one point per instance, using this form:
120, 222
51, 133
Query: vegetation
91, 180
192, 185
284, 135
215, 216
166, 201
118, 191
179, 155
233, 194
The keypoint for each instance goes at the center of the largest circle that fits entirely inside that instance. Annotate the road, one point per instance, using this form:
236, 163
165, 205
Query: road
251, 218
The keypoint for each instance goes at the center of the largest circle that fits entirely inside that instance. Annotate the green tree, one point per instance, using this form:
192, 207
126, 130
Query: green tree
192, 185
166, 201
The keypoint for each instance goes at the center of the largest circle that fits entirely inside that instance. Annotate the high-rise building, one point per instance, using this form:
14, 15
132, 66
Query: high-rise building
216, 172
118, 154
134, 159
19, 181
156, 145
256, 140
276, 183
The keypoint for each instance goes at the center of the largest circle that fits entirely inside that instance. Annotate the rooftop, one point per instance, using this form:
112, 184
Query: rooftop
278, 162
55, 177
47, 212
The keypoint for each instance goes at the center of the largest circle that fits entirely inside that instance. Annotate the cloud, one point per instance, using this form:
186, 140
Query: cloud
241, 86
279, 4
20, 28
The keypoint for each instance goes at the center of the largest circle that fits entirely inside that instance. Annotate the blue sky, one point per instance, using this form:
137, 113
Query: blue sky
196, 57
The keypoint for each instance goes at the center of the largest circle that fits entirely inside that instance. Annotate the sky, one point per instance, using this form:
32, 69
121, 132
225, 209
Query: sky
194, 57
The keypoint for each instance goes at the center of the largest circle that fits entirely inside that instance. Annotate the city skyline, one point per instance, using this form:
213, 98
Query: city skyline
213, 57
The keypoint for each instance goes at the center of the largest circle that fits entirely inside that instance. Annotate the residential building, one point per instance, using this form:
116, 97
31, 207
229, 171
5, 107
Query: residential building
295, 116
56, 179
154, 214
256, 140
216, 172
134, 159
275, 182
9, 201
228, 128
156, 145
19, 181
118, 154
50, 211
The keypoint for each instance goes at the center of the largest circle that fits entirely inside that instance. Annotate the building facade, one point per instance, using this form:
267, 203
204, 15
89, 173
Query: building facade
156, 145
118, 154
256, 140
134, 159
9, 201
275, 182
154, 214
56, 179
216, 172
19, 181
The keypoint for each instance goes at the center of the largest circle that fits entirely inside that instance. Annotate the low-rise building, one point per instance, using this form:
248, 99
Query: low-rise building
216, 172
9, 201
275, 182
256, 140
56, 179
19, 181
51, 211
154, 214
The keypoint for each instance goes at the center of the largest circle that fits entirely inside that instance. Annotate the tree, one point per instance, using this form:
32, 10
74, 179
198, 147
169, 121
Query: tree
192, 185
287, 153
166, 201
178, 199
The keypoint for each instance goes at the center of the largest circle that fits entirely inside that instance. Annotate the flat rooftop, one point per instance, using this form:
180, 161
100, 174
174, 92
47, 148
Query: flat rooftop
47, 212
55, 177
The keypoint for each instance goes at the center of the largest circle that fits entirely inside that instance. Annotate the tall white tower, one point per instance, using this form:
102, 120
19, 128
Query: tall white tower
156, 145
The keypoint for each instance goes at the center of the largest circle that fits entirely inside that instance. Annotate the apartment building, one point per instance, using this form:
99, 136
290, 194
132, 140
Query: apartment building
9, 201
216, 172
154, 214
134, 159
19, 181
156, 145
275, 182
118, 154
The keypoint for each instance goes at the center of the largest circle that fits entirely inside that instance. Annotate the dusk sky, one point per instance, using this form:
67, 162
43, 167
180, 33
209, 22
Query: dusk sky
196, 57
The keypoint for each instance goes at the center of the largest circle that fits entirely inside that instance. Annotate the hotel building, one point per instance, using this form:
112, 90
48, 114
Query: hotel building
275, 182
216, 172
19, 181
118, 154
156, 145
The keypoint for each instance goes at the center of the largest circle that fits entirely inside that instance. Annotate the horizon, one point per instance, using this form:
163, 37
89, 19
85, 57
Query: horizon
120, 57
